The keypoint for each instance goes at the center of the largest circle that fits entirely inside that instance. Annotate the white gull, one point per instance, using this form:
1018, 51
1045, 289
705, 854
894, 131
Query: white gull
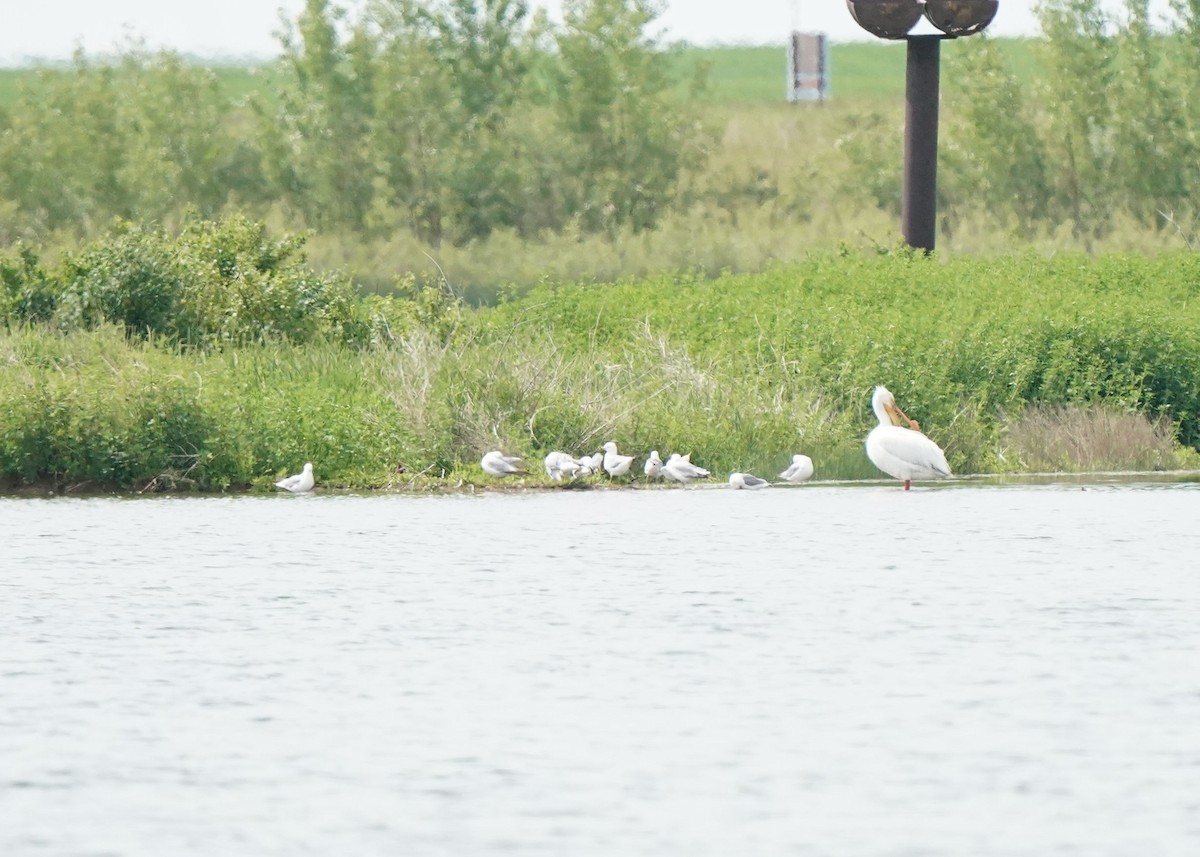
496, 463
615, 464
680, 469
745, 480
301, 483
800, 469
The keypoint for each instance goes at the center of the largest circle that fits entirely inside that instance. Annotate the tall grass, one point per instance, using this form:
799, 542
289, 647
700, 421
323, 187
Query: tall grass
93, 408
1093, 439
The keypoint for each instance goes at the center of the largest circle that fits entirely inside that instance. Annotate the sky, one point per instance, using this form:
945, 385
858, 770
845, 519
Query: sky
52, 29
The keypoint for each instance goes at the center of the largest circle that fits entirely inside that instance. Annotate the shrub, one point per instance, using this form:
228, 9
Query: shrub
214, 283
27, 293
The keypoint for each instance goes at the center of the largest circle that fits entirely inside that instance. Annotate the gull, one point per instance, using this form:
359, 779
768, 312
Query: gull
653, 467
560, 464
590, 464
902, 453
800, 470
301, 483
745, 480
496, 463
680, 468
615, 464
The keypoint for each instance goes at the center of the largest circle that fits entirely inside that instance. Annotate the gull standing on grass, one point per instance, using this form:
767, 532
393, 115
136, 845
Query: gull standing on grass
680, 469
800, 469
654, 465
496, 463
902, 453
615, 464
301, 483
745, 480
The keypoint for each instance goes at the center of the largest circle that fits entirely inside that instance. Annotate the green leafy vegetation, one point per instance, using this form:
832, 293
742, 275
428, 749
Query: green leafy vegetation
215, 283
741, 370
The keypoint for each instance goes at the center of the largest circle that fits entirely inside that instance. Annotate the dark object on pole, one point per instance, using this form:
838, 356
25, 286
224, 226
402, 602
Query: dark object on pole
893, 19
960, 17
888, 19
918, 217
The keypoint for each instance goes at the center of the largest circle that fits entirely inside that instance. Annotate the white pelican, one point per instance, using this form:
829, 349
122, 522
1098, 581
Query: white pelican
903, 453
560, 464
301, 483
800, 469
615, 464
496, 463
745, 480
653, 466
680, 468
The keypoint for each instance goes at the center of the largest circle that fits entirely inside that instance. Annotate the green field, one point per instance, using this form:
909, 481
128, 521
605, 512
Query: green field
11, 81
861, 72
758, 75
747, 76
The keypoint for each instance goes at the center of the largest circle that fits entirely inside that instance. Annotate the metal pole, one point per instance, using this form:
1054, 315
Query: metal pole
918, 219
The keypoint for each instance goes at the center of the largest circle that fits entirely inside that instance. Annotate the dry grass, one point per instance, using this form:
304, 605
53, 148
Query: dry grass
1095, 439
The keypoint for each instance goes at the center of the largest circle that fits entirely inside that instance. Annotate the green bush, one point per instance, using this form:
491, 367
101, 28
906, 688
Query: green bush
214, 283
132, 279
27, 293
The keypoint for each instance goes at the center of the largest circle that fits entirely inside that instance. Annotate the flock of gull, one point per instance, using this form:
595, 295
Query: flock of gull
896, 446
677, 468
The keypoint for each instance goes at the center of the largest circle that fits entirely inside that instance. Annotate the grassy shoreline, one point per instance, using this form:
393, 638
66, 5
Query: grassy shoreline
1012, 365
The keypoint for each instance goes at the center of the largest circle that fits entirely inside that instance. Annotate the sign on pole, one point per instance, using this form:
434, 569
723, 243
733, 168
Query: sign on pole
808, 67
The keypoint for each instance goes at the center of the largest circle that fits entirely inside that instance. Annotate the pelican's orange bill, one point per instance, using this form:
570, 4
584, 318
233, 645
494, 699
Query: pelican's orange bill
912, 424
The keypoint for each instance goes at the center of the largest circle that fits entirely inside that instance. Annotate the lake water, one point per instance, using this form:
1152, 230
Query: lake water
824, 670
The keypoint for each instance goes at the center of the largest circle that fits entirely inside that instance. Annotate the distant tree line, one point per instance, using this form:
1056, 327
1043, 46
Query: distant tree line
451, 118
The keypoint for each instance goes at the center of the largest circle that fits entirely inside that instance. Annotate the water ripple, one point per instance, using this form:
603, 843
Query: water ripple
825, 670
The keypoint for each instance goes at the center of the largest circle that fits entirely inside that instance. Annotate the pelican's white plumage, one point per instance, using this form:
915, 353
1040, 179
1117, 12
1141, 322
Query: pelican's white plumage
301, 483
902, 453
653, 466
680, 469
800, 469
616, 464
496, 463
745, 480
